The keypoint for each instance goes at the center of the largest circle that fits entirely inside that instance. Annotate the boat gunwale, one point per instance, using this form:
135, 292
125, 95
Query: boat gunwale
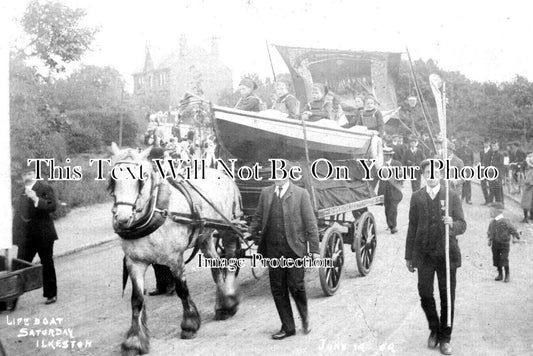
292, 122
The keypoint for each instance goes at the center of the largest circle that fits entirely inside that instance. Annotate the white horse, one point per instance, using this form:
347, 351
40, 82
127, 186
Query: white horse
157, 222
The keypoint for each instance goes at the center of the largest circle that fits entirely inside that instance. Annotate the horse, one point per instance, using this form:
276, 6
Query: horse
157, 220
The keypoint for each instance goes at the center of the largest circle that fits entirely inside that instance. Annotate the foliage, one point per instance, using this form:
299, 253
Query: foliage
55, 33
102, 127
89, 87
87, 191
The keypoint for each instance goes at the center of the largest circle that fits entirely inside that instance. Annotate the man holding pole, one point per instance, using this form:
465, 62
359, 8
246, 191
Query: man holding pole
425, 251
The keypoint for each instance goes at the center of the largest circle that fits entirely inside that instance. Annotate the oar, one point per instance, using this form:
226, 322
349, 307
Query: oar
440, 99
307, 160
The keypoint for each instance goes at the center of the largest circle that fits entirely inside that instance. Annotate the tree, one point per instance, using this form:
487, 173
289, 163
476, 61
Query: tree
89, 87
55, 33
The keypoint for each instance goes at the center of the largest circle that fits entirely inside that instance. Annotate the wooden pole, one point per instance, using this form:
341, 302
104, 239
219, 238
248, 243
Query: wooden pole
420, 98
6, 240
121, 119
271, 64
307, 160
440, 101
447, 214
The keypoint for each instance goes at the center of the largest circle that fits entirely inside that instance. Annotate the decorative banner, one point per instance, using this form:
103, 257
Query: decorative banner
436, 84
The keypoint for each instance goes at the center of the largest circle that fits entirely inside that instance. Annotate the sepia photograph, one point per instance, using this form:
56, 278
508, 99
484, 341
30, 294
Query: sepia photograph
252, 177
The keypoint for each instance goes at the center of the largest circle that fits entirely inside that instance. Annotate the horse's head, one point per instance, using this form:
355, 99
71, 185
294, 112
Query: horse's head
132, 187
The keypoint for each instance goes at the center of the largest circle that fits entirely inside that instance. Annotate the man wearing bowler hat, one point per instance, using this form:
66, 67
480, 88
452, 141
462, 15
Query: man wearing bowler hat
287, 223
391, 189
33, 228
413, 157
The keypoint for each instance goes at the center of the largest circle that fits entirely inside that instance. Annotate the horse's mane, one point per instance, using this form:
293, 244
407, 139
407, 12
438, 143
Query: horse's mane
127, 154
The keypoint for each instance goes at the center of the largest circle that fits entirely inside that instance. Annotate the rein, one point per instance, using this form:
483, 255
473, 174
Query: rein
157, 212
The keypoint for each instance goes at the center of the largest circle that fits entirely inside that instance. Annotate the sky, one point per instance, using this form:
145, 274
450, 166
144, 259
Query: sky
485, 40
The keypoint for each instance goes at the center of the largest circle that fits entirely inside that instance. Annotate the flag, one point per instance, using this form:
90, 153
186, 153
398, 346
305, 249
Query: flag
436, 84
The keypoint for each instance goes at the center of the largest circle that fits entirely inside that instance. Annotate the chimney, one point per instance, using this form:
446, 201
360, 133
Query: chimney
148, 63
214, 46
183, 45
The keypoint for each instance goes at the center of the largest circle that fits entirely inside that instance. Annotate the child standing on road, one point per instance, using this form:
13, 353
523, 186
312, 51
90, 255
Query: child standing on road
499, 234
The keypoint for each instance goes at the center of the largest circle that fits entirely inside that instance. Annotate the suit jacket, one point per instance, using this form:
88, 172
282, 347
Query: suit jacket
30, 223
249, 103
496, 160
466, 154
298, 215
419, 227
485, 157
413, 159
395, 185
399, 151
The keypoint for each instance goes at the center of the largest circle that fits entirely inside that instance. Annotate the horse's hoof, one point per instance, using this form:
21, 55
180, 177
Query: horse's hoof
188, 334
135, 345
223, 314
229, 303
130, 353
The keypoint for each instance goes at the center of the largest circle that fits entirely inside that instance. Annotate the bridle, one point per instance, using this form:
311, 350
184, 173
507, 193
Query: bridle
135, 204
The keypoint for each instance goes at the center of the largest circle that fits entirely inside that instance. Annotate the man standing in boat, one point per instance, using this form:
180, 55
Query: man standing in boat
248, 100
371, 117
287, 223
285, 102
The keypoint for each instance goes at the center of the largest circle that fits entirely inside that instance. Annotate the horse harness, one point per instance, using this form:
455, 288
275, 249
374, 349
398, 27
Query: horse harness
157, 211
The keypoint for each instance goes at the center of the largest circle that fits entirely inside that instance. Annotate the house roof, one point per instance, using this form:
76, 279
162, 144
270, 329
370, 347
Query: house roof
167, 60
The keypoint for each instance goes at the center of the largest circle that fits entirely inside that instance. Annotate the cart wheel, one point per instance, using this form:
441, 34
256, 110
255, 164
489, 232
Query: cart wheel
331, 247
365, 242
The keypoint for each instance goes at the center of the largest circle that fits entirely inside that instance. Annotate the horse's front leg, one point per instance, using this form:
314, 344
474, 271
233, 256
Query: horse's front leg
227, 300
138, 338
191, 318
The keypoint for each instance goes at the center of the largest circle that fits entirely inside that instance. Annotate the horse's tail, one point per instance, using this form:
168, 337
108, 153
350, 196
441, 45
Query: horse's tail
125, 275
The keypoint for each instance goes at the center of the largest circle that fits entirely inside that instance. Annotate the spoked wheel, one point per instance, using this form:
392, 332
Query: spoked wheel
331, 247
365, 242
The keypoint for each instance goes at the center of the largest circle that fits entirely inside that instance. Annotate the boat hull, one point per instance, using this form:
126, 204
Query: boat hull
254, 136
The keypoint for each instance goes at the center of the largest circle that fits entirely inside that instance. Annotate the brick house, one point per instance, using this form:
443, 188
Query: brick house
159, 85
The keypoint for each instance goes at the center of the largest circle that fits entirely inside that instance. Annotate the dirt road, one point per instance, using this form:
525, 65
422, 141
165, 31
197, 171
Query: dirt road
374, 315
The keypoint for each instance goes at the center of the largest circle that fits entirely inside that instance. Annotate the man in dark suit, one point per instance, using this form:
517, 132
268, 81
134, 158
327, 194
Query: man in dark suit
287, 224
391, 189
425, 250
412, 157
485, 157
465, 153
496, 185
397, 147
33, 228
